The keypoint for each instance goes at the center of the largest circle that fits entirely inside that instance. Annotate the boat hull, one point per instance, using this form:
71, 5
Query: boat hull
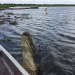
8, 65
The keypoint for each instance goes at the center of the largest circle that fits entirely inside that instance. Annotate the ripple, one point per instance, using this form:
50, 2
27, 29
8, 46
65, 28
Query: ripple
53, 32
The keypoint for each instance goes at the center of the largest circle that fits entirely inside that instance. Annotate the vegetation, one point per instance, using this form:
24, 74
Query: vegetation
25, 14
9, 13
13, 23
6, 5
6, 39
9, 39
8, 16
13, 5
27, 17
15, 16
31, 17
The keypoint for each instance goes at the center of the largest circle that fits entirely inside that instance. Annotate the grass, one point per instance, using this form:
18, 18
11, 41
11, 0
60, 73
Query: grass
9, 13
6, 5
13, 23
8, 16
3, 39
9, 39
15, 16
6, 39
31, 17
39, 5
27, 17
25, 14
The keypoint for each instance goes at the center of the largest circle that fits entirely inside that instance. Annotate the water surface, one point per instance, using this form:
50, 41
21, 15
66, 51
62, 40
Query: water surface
54, 32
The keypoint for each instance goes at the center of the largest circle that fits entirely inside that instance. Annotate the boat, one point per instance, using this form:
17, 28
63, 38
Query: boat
34, 7
8, 65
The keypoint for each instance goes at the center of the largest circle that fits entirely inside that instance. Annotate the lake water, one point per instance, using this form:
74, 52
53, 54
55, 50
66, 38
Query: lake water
54, 32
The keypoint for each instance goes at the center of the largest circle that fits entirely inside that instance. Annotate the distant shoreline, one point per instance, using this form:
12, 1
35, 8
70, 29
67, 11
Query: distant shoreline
39, 5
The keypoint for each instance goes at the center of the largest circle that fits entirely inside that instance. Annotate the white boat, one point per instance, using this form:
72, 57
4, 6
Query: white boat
8, 65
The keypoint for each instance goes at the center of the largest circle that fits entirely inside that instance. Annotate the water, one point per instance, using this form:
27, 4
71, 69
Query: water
54, 32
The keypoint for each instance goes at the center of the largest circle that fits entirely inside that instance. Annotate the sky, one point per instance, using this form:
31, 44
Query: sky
38, 1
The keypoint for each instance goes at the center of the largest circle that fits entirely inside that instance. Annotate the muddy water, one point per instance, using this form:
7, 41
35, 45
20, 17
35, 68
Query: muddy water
53, 32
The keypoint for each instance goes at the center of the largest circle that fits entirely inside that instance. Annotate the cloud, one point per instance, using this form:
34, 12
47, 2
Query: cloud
39, 1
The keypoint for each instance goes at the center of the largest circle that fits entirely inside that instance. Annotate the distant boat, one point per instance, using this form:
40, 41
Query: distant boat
8, 65
34, 7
